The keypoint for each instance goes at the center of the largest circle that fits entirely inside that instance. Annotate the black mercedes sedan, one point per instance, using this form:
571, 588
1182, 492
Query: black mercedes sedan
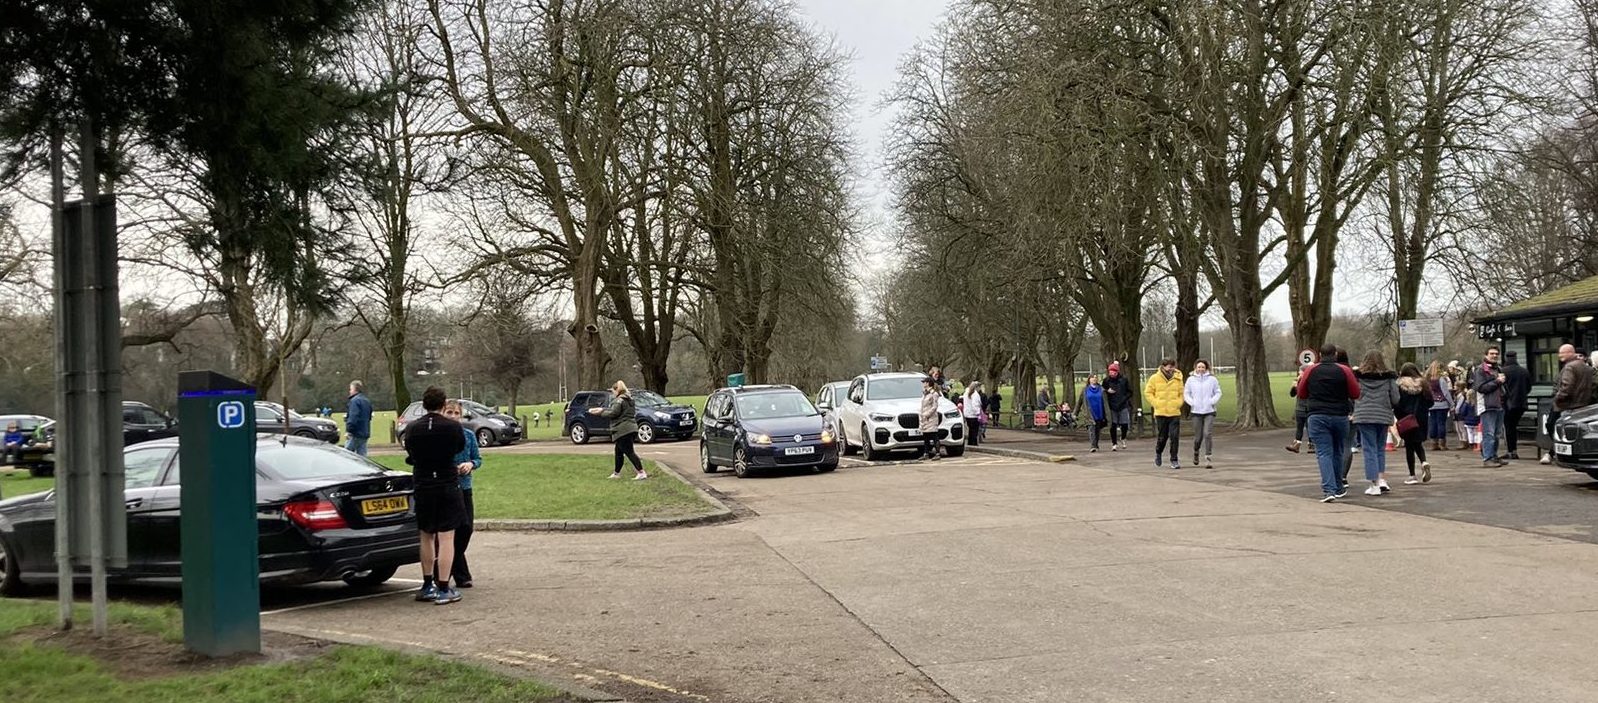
1576, 440
323, 514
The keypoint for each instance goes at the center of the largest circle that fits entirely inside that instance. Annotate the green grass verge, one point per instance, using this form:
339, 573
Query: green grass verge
17, 482
41, 671
569, 487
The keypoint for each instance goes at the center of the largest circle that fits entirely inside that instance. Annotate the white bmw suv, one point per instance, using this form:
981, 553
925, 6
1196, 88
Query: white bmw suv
881, 412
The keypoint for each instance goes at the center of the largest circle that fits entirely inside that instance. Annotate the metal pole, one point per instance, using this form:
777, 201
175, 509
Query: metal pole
97, 420
64, 454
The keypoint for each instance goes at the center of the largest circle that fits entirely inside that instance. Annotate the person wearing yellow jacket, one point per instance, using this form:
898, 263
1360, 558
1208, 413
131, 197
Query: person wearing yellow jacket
1163, 393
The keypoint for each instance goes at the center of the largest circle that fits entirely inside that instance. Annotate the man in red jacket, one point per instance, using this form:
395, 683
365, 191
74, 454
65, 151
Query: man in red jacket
1328, 391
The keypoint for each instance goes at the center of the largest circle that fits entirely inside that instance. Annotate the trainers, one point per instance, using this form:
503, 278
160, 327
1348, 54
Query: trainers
1209, 462
1115, 447
1374, 490
1093, 450
1175, 466
427, 592
1382, 484
1341, 492
615, 475
1547, 458
446, 596
641, 476
1515, 456
1292, 447
1330, 498
1159, 463
1425, 472
1411, 481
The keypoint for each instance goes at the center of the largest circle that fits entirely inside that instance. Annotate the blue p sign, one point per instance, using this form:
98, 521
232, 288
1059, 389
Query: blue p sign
230, 415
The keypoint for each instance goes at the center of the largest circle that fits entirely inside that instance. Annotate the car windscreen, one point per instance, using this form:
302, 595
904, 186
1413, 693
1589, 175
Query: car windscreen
293, 462
476, 408
648, 399
763, 406
893, 388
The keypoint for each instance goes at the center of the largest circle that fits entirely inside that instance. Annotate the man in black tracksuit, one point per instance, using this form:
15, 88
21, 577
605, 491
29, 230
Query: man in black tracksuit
1517, 388
431, 443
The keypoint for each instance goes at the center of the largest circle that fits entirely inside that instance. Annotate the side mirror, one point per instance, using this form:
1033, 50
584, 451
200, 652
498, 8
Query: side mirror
823, 405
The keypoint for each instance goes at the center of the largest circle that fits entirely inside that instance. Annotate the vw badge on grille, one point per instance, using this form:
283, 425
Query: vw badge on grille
798, 438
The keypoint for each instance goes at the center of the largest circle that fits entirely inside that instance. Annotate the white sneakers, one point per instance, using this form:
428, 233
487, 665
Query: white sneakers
1425, 472
1411, 481
1382, 484
641, 476
1547, 458
1209, 463
1374, 490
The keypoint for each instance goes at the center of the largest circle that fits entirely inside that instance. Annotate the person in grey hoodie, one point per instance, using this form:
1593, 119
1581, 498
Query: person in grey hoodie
1373, 414
1202, 393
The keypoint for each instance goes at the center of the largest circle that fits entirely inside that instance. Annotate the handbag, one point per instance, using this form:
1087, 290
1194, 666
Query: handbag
1408, 424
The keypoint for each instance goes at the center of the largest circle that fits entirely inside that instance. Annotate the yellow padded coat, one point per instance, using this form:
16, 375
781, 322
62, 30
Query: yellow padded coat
1164, 396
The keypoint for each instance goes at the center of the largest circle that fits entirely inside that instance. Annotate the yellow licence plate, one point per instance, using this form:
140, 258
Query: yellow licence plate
384, 506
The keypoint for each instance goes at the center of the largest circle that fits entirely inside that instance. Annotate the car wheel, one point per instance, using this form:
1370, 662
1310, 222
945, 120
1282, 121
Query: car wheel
10, 570
705, 464
41, 470
740, 464
826, 468
843, 444
646, 433
579, 433
305, 433
869, 452
372, 578
954, 451
485, 437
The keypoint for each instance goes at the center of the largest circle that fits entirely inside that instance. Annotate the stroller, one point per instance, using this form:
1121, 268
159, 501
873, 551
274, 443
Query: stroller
1064, 418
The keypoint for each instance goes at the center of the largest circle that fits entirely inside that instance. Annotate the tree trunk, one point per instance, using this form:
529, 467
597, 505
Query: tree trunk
1187, 319
592, 359
1256, 406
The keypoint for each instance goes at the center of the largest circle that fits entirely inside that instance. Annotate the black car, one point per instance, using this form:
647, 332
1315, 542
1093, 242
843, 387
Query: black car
269, 419
1576, 440
491, 426
323, 514
142, 423
657, 417
765, 427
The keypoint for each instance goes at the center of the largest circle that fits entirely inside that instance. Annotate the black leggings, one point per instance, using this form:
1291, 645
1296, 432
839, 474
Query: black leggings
463, 538
624, 448
1299, 421
973, 431
1414, 446
1511, 428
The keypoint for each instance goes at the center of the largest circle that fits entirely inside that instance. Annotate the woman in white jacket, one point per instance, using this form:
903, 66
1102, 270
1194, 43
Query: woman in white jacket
1202, 393
971, 412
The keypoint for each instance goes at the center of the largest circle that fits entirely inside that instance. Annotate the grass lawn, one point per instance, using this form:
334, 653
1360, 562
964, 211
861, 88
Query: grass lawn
46, 670
383, 420
569, 487
16, 482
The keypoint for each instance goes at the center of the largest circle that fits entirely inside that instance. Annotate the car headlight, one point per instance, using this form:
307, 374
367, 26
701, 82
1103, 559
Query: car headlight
950, 415
662, 416
880, 417
496, 422
760, 439
826, 437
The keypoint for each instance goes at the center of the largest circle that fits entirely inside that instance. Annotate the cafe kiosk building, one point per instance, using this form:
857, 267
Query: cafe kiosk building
1535, 328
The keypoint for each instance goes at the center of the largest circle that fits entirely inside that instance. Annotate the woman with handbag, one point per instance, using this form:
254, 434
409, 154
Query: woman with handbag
1414, 404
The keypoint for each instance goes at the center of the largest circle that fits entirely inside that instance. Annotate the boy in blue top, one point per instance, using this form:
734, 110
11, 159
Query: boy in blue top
358, 419
463, 534
11, 446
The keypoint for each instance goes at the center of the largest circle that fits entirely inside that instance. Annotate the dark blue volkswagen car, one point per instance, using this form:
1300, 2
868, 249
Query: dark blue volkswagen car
657, 417
765, 427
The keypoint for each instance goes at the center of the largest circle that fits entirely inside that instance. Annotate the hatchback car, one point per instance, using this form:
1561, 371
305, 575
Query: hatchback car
765, 427
491, 426
323, 514
142, 423
1576, 440
36, 454
657, 417
271, 419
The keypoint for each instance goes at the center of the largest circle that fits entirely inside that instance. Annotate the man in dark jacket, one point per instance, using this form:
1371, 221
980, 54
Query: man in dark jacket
1488, 382
1571, 391
1517, 388
431, 443
358, 419
1328, 391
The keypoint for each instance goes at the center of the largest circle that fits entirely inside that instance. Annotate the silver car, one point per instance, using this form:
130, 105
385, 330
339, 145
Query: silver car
881, 412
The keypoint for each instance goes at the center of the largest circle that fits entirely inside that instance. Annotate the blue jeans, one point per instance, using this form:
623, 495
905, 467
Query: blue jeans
1437, 425
1373, 447
1330, 435
1491, 422
357, 445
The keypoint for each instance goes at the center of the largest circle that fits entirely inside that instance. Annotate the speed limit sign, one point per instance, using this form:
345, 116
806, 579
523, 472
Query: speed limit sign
1307, 357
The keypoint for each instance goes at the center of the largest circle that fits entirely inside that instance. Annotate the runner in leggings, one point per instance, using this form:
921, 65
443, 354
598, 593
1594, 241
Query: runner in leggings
623, 429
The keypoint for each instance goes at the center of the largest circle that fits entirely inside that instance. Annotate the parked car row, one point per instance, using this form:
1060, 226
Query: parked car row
492, 427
